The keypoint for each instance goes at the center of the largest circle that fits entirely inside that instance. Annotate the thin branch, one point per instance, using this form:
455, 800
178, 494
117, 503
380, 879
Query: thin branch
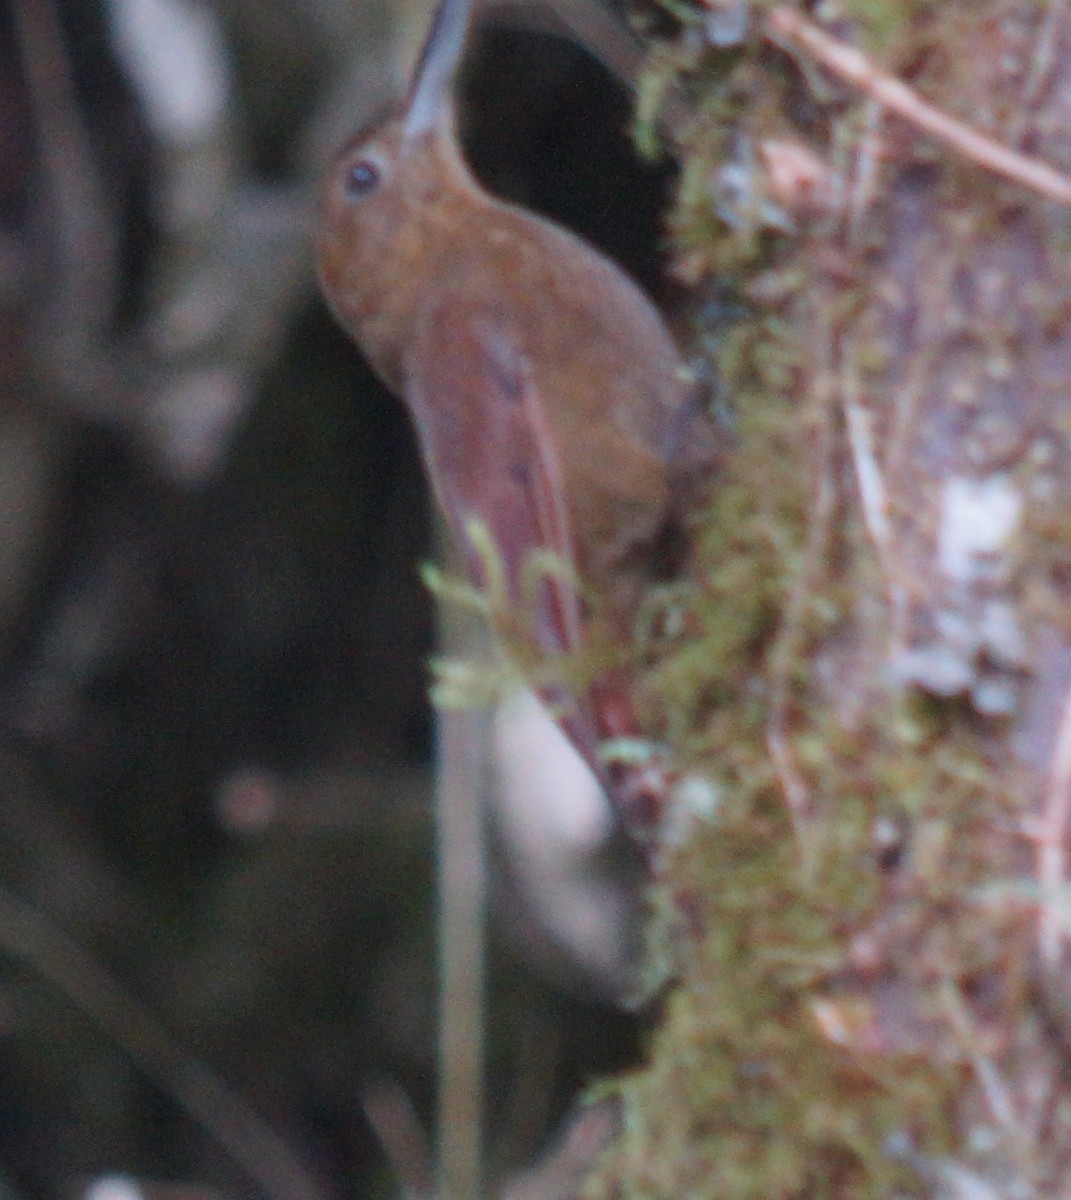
871, 484
1052, 847
997, 1093
391, 1114
864, 177
83, 223
462, 779
463, 739
786, 25
873, 497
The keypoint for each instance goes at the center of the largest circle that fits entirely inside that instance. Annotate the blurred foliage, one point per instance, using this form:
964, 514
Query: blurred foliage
214, 635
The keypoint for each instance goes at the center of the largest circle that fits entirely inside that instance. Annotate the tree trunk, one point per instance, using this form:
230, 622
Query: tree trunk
867, 926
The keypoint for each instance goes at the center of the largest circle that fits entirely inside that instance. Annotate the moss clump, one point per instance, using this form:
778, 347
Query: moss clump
747, 1093
817, 1019
745, 1096
845, 983
744, 548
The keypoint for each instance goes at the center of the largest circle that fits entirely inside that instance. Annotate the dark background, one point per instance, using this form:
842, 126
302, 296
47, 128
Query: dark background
214, 731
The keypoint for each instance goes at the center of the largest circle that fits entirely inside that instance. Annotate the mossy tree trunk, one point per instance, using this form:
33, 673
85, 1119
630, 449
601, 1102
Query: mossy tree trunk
869, 933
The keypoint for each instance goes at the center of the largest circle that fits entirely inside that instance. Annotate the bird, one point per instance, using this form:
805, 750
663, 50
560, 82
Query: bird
552, 407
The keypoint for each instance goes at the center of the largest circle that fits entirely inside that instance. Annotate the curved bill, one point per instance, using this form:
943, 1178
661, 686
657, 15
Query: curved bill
429, 100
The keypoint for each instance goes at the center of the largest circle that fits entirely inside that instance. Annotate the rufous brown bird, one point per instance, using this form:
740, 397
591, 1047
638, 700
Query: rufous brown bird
549, 399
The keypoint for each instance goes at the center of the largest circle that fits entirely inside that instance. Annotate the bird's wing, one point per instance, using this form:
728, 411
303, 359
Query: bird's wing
491, 455
490, 451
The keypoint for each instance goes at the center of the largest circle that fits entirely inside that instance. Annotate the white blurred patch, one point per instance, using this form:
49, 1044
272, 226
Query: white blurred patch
978, 519
552, 794
114, 1187
694, 802
557, 824
176, 60
974, 641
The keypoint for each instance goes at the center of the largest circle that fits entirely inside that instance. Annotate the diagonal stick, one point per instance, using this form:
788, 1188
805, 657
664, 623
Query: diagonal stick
784, 25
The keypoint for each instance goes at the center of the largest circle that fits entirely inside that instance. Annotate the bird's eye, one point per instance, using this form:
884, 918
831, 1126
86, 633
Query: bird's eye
362, 178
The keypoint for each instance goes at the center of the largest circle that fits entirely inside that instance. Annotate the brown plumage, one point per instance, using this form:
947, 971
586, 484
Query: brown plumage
547, 394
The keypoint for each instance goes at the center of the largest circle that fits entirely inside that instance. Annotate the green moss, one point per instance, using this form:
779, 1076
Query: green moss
744, 1095
747, 1091
821, 957
882, 22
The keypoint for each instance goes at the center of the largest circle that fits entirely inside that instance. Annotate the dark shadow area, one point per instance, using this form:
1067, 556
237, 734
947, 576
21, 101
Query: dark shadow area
216, 736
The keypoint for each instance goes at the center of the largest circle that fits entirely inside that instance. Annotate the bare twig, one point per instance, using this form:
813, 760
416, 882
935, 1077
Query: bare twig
786, 646
390, 1113
461, 782
784, 25
995, 1089
873, 497
463, 741
864, 178
1052, 847
30, 936
794, 786
83, 223
872, 478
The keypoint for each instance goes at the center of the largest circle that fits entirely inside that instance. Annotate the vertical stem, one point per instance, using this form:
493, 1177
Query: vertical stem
461, 950
461, 784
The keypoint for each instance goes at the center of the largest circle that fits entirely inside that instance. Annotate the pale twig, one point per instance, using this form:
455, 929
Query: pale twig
30, 936
870, 480
996, 1091
1052, 846
864, 177
797, 794
873, 498
858, 420
787, 644
391, 1114
82, 223
851, 65
462, 780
